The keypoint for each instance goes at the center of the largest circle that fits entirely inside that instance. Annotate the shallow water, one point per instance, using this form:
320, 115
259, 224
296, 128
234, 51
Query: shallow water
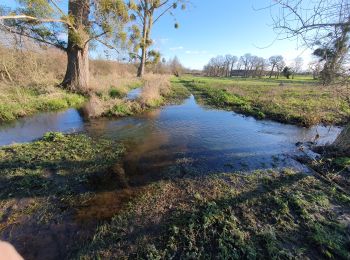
134, 94
205, 138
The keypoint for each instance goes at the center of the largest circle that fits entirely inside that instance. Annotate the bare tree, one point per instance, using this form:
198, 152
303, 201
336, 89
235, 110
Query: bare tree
280, 66
297, 66
233, 60
315, 67
246, 60
322, 24
223, 66
275, 63
176, 67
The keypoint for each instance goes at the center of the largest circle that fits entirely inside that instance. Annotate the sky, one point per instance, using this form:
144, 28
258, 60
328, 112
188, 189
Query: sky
217, 27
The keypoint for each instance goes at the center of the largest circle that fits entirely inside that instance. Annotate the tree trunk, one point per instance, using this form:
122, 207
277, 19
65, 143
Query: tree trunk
342, 143
273, 67
77, 73
145, 34
141, 70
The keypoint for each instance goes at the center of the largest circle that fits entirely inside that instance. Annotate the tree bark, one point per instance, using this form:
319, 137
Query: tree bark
141, 70
77, 73
342, 143
271, 72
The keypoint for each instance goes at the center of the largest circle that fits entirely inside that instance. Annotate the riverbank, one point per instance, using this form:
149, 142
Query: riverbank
16, 102
155, 91
298, 101
68, 196
106, 100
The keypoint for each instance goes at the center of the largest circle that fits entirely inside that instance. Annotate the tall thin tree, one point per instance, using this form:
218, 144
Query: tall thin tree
145, 14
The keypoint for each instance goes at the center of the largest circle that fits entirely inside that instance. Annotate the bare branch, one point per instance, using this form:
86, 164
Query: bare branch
27, 17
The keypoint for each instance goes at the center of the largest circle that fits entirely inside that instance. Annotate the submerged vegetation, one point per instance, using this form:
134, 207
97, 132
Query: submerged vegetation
299, 101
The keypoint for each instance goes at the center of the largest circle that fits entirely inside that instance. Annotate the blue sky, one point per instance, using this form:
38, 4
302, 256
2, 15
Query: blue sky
217, 27
220, 27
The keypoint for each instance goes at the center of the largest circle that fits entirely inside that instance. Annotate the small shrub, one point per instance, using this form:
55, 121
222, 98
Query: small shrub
53, 137
115, 93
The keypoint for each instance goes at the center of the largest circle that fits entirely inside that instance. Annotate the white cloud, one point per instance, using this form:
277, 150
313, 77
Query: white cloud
163, 40
196, 52
178, 48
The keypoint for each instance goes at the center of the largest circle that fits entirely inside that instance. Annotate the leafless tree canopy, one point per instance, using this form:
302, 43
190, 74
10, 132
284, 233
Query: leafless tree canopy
311, 20
323, 26
247, 65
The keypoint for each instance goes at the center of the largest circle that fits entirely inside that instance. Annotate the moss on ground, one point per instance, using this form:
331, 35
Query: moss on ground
298, 101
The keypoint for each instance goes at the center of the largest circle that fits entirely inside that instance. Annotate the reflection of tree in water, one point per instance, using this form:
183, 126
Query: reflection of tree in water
143, 157
97, 127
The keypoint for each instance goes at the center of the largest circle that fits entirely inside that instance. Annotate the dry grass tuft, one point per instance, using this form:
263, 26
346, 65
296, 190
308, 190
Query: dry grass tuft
107, 75
155, 88
95, 107
32, 68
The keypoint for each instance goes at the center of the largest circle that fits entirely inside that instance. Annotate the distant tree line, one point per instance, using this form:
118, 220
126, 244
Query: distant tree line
250, 65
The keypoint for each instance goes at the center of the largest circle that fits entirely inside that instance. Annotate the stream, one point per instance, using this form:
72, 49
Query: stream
206, 138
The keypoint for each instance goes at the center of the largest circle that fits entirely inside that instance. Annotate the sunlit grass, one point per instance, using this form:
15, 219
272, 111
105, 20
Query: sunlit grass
300, 101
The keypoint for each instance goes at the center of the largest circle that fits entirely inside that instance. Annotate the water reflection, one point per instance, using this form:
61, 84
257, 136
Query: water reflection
211, 138
30, 128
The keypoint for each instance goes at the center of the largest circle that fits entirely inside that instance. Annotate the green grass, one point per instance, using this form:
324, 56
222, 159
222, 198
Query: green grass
300, 101
51, 182
76, 157
266, 215
18, 102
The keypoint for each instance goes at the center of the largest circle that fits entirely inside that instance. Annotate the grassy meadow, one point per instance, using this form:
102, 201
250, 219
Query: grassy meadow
301, 100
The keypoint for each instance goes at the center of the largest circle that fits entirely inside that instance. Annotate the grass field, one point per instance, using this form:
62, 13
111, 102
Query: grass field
266, 215
299, 101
